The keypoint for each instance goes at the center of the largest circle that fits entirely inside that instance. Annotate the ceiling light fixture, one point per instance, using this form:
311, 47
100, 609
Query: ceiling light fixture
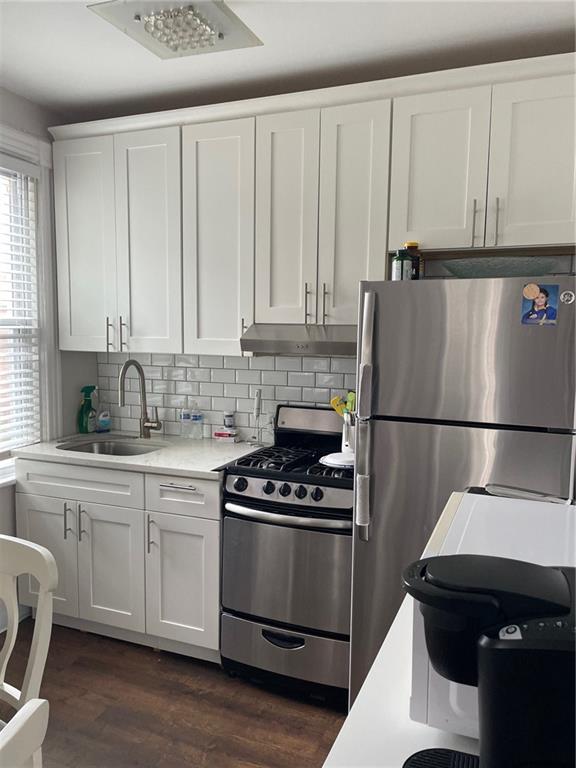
172, 32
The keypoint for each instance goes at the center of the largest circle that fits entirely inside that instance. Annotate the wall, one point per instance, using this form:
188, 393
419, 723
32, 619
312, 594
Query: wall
7, 526
219, 383
23, 115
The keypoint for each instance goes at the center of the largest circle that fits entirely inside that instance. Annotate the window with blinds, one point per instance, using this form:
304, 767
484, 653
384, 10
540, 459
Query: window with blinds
19, 332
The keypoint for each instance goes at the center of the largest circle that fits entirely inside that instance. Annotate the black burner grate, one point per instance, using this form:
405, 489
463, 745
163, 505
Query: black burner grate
279, 459
321, 470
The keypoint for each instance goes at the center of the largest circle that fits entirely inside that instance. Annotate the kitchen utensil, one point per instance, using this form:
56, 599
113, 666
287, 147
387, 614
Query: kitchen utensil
345, 459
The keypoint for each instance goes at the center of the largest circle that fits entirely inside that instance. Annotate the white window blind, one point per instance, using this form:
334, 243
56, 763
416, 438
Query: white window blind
19, 332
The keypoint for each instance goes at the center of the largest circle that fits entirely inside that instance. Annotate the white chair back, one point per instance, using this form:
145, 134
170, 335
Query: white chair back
19, 558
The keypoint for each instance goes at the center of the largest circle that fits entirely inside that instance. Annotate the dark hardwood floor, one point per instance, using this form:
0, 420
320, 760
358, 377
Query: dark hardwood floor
118, 705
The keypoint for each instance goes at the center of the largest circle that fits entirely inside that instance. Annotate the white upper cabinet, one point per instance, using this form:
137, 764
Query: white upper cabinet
354, 152
147, 166
531, 188
287, 154
218, 234
439, 168
86, 247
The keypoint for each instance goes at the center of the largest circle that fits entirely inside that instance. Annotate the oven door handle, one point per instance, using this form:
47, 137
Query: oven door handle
293, 520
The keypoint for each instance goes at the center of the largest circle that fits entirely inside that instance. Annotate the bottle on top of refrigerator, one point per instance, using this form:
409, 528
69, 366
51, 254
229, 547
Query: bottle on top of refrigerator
406, 262
197, 422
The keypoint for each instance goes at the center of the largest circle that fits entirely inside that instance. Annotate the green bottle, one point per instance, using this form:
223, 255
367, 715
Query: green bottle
86, 413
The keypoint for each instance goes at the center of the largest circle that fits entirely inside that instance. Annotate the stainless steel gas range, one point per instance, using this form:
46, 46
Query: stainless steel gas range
287, 554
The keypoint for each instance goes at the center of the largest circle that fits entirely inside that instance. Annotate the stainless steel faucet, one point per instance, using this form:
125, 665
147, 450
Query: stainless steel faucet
146, 424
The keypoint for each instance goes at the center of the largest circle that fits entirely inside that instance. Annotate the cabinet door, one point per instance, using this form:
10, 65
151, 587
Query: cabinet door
182, 579
53, 524
439, 168
148, 239
111, 565
85, 242
354, 152
532, 163
287, 148
218, 232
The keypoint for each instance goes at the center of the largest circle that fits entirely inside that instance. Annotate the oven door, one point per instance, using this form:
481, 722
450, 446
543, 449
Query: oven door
287, 572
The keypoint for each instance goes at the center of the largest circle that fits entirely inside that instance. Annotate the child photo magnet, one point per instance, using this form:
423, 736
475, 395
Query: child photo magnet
539, 304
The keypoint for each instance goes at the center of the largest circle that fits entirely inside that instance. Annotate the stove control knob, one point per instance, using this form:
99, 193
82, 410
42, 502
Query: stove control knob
317, 494
268, 487
300, 492
240, 484
285, 489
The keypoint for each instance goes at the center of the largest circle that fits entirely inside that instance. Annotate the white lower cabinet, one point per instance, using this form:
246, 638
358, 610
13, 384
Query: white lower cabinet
52, 523
182, 578
111, 566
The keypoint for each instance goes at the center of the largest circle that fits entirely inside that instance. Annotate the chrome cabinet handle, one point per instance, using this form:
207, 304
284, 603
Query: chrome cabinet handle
474, 212
122, 342
497, 220
108, 342
66, 528
80, 529
306, 313
364, 404
177, 487
148, 524
290, 520
324, 294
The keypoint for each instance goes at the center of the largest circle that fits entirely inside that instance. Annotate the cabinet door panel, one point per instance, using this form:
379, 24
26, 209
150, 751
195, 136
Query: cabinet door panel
111, 565
354, 152
287, 154
439, 168
532, 163
218, 230
148, 239
85, 242
182, 579
42, 520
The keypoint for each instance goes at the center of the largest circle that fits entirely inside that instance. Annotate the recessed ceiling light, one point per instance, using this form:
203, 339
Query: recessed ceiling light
170, 30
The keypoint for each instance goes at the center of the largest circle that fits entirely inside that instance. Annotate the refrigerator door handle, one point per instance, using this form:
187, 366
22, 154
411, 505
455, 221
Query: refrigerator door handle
511, 492
364, 410
363, 506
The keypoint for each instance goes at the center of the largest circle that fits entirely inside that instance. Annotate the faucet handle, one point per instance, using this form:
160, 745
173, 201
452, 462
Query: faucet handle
154, 422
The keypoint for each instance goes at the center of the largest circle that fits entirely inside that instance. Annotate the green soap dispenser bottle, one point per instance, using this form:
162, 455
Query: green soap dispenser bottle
86, 412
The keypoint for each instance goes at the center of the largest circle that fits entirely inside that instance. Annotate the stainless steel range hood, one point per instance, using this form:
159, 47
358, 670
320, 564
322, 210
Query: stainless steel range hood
272, 339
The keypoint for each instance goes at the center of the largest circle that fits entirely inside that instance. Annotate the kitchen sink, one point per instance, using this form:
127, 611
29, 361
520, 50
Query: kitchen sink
111, 447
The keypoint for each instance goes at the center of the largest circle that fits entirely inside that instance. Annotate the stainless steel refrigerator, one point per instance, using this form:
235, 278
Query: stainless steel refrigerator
460, 383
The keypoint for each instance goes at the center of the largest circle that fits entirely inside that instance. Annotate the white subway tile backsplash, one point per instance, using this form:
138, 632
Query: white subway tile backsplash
288, 363
186, 360
162, 359
262, 363
236, 390
236, 362
321, 396
224, 375
216, 383
330, 380
275, 377
343, 365
248, 377
211, 361
301, 379
316, 364
216, 390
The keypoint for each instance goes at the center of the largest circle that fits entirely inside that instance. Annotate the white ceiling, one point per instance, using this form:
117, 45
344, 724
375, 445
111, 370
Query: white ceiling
66, 58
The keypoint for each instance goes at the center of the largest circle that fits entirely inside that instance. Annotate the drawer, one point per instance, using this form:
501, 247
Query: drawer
183, 496
69, 481
295, 654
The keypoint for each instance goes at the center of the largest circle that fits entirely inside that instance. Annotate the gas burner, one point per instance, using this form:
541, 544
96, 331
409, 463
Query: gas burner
278, 459
321, 470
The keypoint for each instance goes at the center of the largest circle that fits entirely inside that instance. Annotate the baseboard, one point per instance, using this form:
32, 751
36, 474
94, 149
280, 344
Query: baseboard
140, 638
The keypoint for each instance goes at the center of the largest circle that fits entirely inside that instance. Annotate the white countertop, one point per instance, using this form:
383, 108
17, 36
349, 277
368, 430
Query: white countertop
378, 732
176, 455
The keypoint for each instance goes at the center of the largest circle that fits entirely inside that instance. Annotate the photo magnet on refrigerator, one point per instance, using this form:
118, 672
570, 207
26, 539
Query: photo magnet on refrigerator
539, 304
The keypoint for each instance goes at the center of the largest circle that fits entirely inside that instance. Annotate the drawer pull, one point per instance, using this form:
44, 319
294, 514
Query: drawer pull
287, 642
177, 487
66, 527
